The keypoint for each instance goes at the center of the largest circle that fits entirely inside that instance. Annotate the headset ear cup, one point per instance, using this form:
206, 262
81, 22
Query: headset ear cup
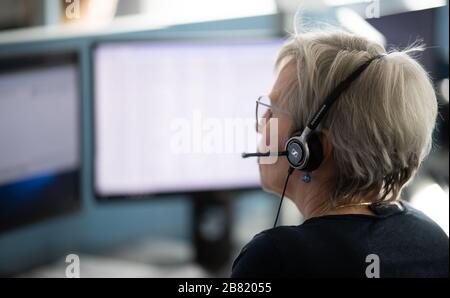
315, 153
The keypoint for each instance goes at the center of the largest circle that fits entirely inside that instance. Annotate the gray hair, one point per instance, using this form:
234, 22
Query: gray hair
381, 127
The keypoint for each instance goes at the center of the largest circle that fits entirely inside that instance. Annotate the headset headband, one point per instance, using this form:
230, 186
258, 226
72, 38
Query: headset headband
334, 95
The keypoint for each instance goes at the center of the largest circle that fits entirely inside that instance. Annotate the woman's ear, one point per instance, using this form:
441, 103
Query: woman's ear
327, 146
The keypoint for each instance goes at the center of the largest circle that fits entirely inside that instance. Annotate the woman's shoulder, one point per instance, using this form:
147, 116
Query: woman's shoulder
266, 254
258, 258
325, 228
321, 244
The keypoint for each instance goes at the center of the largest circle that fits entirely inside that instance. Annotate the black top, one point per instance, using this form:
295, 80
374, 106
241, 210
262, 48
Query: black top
405, 241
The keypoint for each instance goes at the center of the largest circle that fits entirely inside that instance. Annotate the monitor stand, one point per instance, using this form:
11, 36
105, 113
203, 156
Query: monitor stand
212, 229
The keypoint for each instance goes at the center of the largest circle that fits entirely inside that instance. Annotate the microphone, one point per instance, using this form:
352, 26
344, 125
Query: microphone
257, 154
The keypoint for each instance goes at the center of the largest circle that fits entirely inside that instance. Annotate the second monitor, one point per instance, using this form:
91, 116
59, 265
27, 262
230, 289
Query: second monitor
174, 116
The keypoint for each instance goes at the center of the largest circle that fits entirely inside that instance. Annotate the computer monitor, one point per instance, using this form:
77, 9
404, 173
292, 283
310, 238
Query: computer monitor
151, 96
39, 137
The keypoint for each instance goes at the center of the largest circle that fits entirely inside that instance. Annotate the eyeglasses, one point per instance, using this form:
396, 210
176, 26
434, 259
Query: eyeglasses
265, 111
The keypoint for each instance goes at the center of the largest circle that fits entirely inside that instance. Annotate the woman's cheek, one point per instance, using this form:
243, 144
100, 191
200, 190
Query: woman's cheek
269, 141
263, 145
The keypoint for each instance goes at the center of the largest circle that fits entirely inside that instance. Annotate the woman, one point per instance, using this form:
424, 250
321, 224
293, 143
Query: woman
364, 145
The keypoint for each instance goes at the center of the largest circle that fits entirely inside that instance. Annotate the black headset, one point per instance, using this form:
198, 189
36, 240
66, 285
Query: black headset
304, 150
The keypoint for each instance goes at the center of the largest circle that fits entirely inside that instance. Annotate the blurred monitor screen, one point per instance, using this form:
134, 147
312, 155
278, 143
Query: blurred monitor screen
175, 116
39, 137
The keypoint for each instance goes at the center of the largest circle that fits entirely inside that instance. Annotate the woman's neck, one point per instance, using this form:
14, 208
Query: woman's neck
363, 210
313, 201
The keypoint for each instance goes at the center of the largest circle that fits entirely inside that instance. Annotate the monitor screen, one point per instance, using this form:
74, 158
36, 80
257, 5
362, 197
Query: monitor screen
174, 116
39, 137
